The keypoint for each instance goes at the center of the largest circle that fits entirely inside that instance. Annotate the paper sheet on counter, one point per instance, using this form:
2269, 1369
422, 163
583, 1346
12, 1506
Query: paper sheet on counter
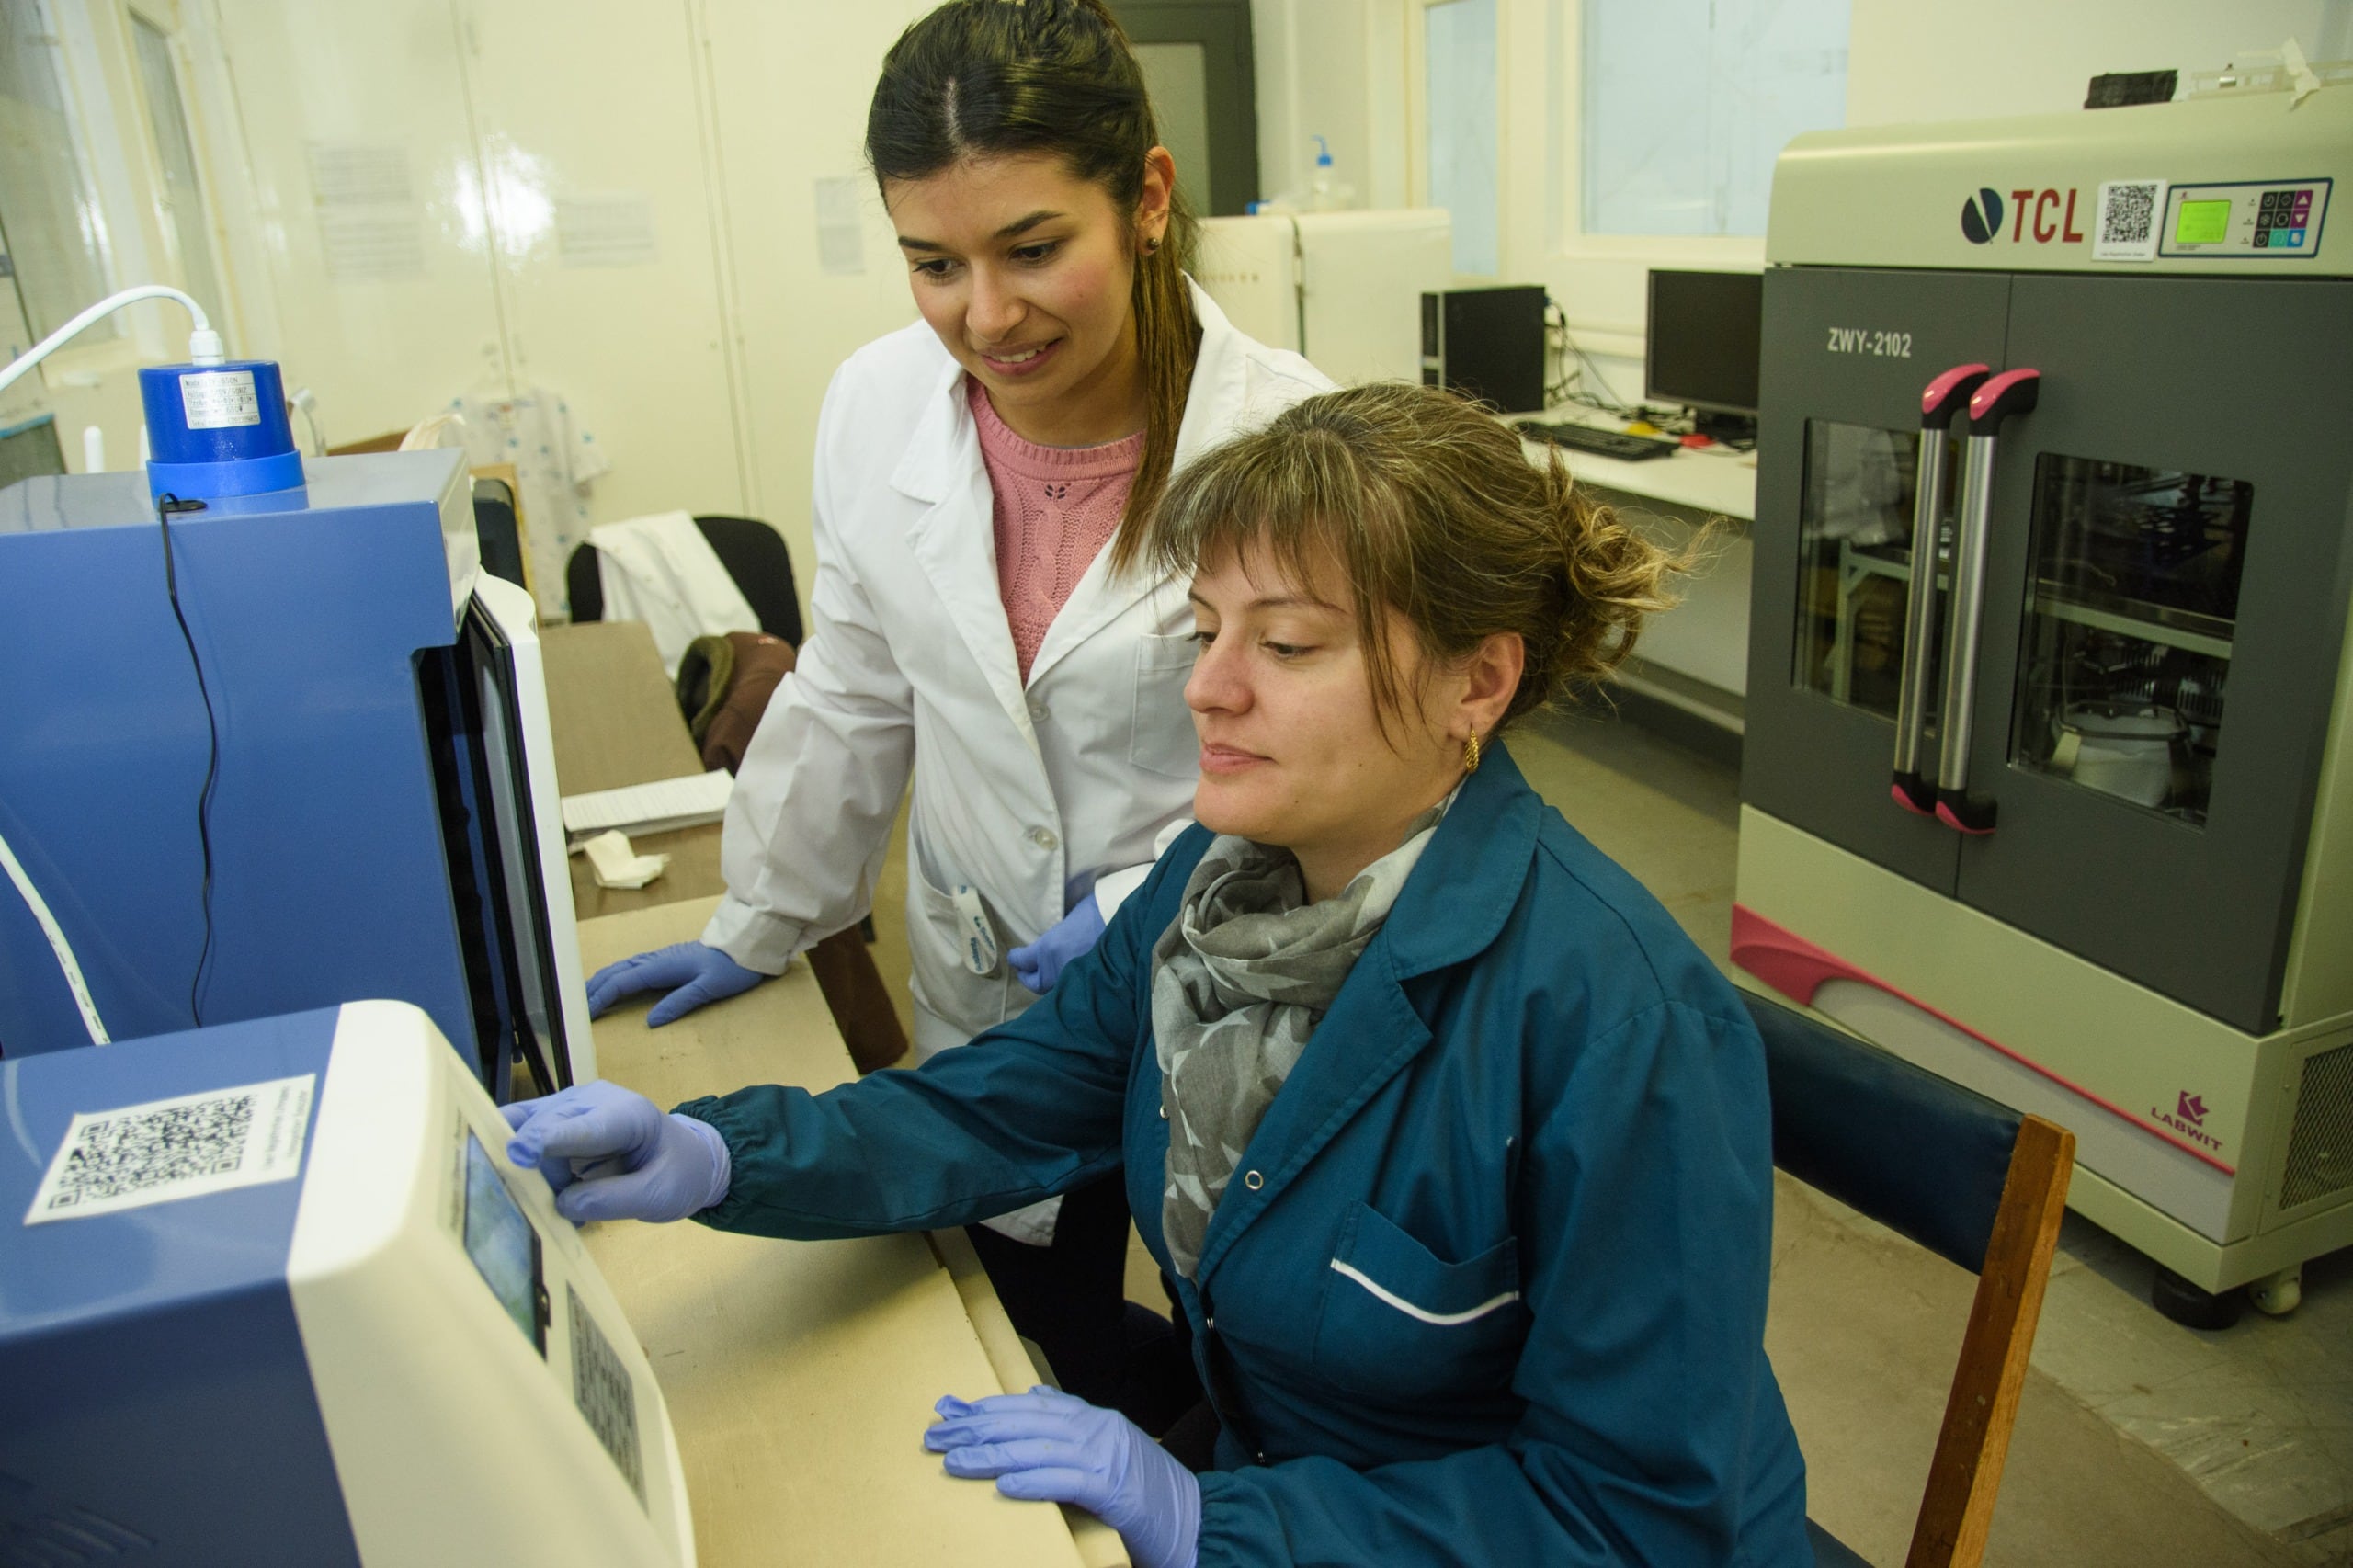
657, 807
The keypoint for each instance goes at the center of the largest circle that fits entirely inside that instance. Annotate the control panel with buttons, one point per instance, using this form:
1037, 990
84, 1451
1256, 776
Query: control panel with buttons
2250, 220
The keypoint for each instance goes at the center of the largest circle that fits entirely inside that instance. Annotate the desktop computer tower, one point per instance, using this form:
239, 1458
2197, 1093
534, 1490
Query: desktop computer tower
1487, 344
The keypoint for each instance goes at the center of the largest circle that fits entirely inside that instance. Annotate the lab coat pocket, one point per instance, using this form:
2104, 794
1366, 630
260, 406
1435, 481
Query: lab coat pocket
944, 980
1398, 1323
1162, 738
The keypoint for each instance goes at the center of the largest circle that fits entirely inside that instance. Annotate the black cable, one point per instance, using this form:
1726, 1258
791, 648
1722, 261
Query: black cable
1557, 390
1609, 400
165, 505
1573, 384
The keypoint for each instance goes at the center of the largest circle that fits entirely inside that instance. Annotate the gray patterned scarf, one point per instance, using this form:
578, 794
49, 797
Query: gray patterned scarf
1239, 981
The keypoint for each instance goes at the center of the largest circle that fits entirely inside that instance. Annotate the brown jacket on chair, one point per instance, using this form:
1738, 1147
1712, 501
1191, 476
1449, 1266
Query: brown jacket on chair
725, 684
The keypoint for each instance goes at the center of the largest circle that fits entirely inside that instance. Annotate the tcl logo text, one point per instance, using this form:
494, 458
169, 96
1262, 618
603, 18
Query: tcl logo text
2048, 215
2048, 222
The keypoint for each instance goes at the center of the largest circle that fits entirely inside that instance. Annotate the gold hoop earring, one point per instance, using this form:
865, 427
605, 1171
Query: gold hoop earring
1470, 754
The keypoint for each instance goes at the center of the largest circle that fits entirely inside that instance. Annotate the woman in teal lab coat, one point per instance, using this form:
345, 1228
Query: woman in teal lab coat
1455, 1147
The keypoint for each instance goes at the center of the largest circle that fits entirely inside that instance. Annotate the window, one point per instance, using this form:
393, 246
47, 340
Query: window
1687, 103
1458, 50
53, 228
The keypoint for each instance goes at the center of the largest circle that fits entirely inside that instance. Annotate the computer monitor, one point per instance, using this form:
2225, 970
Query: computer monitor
1704, 348
272, 1292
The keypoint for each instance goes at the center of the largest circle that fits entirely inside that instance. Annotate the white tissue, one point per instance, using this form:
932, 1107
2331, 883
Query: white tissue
616, 866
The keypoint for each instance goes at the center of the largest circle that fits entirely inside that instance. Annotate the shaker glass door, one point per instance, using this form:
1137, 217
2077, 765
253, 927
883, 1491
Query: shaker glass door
2133, 600
2163, 625
1847, 354
1855, 552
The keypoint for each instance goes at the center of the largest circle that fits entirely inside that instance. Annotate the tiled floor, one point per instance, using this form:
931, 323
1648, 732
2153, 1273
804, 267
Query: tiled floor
2140, 1444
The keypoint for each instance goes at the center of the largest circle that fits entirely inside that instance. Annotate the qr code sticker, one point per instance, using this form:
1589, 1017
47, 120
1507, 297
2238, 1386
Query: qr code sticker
2126, 227
166, 1150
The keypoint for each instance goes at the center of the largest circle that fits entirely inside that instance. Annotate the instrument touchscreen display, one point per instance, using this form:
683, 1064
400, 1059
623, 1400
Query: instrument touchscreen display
503, 1246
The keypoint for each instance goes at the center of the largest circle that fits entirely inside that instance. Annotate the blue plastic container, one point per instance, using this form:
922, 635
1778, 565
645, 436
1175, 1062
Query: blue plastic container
218, 430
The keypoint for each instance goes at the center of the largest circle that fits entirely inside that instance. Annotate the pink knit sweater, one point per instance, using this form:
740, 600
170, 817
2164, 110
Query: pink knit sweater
1055, 509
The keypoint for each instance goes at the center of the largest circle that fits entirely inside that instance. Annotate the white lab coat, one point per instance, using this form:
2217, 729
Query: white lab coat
909, 656
661, 571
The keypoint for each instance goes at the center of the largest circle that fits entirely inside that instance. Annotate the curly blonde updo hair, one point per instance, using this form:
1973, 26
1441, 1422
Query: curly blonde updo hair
1432, 508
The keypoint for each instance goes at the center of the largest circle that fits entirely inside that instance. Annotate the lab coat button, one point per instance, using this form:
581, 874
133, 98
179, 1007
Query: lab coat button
1043, 837
1252, 1180
1039, 711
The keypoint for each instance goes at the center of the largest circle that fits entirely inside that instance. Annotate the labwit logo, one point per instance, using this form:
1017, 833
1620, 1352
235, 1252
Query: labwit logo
2189, 1118
1981, 217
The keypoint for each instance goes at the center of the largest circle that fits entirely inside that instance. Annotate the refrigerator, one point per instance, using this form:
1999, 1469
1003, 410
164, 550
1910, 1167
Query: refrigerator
2046, 784
1344, 289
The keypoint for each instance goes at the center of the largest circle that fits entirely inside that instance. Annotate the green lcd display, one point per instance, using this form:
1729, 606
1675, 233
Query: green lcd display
504, 1248
2203, 224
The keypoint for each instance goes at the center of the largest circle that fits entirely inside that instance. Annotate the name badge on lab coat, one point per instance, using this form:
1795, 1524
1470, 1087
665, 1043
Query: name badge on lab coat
980, 938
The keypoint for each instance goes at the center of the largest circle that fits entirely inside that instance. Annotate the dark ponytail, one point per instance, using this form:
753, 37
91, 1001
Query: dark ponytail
982, 77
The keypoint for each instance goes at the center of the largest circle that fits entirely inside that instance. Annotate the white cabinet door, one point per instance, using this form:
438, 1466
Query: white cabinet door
588, 117
791, 84
355, 131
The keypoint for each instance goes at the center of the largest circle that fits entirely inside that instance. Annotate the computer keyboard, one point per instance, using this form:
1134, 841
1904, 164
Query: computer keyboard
1601, 443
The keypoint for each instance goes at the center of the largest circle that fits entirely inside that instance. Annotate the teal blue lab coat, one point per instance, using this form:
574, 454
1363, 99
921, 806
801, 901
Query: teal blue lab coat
1490, 1286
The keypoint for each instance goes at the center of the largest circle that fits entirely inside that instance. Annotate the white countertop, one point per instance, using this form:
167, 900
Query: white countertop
1715, 480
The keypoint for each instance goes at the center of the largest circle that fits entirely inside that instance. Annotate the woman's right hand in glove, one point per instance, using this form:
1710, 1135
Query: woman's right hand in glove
611, 1154
692, 973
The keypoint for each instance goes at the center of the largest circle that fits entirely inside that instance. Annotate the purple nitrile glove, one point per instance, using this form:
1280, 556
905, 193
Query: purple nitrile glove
691, 972
1040, 964
1055, 1447
611, 1154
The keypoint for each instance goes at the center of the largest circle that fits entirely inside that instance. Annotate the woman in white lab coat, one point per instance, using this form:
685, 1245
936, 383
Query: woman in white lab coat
971, 623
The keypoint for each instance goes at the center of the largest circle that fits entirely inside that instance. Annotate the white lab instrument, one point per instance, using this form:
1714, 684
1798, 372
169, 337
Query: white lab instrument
273, 1293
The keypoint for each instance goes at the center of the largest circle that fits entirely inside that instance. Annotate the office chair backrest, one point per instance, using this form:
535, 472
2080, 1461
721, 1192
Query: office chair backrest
1973, 1181
1919, 1154
754, 554
499, 534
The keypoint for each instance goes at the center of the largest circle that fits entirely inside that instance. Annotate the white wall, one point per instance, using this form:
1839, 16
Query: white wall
1911, 61
697, 350
386, 308
1335, 68
794, 322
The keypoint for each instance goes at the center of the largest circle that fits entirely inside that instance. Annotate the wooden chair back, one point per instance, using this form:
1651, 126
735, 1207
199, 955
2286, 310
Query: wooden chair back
1975, 1181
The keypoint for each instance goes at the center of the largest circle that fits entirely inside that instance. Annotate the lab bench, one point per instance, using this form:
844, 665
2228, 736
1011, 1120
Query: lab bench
1694, 657
799, 1375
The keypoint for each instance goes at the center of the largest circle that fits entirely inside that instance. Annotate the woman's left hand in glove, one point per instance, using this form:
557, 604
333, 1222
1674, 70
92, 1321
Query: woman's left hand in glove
1052, 1446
